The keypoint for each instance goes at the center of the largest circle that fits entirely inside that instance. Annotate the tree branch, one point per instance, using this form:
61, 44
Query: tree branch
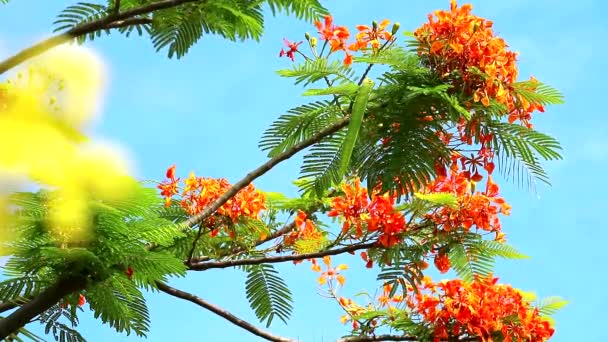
286, 229
103, 23
262, 169
39, 304
221, 312
8, 306
277, 259
129, 22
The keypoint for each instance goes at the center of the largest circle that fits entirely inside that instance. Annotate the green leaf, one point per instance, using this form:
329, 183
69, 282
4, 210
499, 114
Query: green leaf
439, 198
314, 70
356, 118
543, 95
346, 89
268, 294
551, 305
298, 124
321, 166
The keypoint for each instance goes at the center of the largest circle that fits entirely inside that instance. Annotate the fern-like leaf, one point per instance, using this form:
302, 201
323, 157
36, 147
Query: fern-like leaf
79, 14
308, 10
298, 124
268, 294
321, 166
311, 71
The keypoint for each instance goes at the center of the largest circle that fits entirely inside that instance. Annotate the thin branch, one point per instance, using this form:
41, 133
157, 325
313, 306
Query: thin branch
129, 22
277, 259
39, 304
262, 169
221, 312
102, 23
286, 229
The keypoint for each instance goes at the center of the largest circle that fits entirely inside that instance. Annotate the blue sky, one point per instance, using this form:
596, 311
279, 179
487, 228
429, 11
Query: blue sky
207, 111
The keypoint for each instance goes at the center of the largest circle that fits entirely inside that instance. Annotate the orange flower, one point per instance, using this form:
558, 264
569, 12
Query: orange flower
462, 47
305, 230
199, 192
371, 35
377, 215
479, 209
168, 188
330, 273
442, 262
81, 300
335, 36
328, 31
481, 309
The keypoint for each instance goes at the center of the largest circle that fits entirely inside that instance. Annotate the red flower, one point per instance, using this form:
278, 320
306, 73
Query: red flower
293, 48
81, 300
129, 272
442, 262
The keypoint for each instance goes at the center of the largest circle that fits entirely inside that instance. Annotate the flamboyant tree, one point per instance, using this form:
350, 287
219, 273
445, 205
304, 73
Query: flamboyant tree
403, 164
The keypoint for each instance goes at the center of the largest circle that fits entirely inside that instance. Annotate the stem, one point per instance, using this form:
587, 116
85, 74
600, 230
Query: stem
221, 312
39, 304
279, 259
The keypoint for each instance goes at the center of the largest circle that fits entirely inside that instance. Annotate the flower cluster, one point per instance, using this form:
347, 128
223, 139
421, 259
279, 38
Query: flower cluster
479, 209
481, 308
377, 214
336, 37
199, 192
305, 230
462, 47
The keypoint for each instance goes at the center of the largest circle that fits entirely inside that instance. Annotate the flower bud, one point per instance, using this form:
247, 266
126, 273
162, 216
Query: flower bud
307, 36
395, 28
313, 42
374, 25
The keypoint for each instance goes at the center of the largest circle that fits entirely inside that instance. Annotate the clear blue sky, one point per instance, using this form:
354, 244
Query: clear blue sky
207, 111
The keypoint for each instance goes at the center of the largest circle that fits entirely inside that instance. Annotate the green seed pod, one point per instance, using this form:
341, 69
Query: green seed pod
395, 28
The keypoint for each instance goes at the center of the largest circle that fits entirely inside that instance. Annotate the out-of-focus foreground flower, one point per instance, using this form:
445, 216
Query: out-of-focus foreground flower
43, 111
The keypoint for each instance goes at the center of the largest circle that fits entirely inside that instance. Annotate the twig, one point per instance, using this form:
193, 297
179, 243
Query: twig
221, 312
286, 229
277, 259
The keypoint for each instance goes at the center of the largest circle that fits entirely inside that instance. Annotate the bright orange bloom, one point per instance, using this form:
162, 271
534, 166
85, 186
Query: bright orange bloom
377, 215
371, 36
330, 273
462, 47
335, 36
479, 209
480, 309
305, 230
168, 188
200, 192
442, 262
